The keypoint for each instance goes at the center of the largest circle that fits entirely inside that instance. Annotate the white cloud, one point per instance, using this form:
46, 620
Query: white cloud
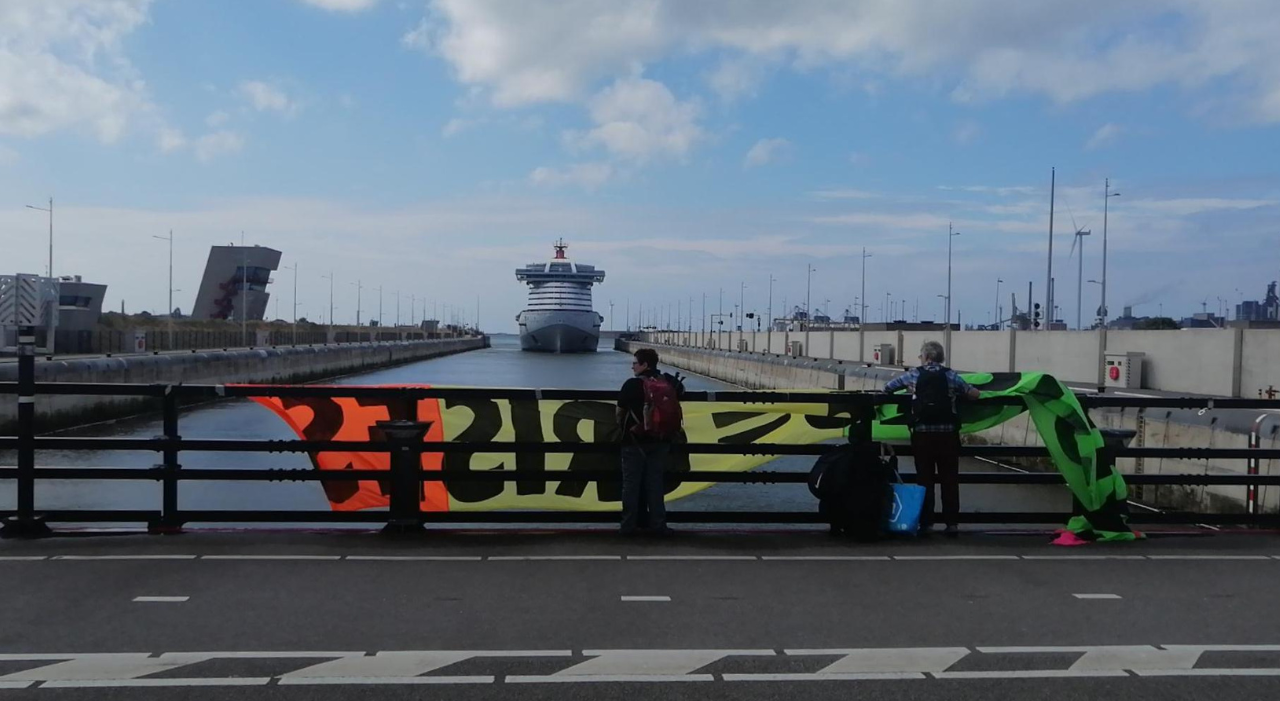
62, 66
736, 78
8, 156
216, 119
966, 132
170, 140
341, 5
218, 143
588, 176
991, 189
456, 126
556, 50
767, 151
266, 97
1105, 134
639, 119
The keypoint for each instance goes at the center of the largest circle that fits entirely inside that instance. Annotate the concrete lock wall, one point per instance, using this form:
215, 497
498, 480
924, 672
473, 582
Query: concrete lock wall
257, 366
1155, 428
1260, 362
1071, 356
1199, 361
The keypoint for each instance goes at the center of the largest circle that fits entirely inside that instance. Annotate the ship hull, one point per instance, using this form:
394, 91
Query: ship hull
559, 331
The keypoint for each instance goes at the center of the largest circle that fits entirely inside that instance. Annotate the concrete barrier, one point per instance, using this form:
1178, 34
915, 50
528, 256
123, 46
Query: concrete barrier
257, 366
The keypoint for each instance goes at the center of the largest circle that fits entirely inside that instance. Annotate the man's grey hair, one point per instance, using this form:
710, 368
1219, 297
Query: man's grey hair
932, 352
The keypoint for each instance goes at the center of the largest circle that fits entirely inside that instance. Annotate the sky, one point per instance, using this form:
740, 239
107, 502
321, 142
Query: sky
430, 148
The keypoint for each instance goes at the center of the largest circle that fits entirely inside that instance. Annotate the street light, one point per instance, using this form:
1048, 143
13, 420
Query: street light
808, 311
1106, 200
359, 285
998, 324
862, 313
294, 268
946, 329
57, 301
329, 277
169, 238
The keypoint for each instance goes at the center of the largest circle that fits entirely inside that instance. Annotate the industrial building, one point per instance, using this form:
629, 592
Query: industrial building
235, 283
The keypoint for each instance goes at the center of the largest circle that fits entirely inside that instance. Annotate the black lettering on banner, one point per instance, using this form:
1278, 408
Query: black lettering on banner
326, 419
564, 424
751, 435
484, 426
527, 421
397, 410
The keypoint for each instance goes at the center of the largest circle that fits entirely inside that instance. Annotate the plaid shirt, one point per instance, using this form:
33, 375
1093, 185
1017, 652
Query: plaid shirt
908, 379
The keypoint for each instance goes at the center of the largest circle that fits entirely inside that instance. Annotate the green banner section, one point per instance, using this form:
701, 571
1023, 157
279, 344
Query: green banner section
1066, 430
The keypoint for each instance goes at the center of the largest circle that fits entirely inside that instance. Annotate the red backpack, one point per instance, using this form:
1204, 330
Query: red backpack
663, 418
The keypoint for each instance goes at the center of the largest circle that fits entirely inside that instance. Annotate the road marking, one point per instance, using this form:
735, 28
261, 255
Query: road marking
270, 557
21, 558
161, 599
819, 558
1135, 657
124, 557
15, 685
615, 678
1096, 596
647, 664
1032, 674
646, 598
1084, 557
119, 666
198, 681
955, 557
821, 677
511, 558
693, 557
407, 664
1207, 557
879, 660
300, 681
1207, 672
414, 558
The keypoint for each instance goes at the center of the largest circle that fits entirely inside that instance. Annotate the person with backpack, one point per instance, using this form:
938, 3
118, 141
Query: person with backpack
935, 430
650, 419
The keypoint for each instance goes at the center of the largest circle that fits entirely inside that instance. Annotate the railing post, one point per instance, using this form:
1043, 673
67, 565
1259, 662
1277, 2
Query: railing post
404, 443
170, 523
26, 524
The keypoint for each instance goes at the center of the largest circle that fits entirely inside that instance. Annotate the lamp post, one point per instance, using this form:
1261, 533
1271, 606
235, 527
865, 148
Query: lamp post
808, 311
359, 285
862, 313
50, 342
1107, 194
329, 277
998, 323
769, 331
169, 238
946, 329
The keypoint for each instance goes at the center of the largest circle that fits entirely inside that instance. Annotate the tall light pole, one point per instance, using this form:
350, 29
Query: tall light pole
359, 285
611, 315
50, 342
294, 268
1048, 283
997, 310
769, 332
169, 238
1106, 199
946, 329
329, 277
379, 306
1078, 243
808, 313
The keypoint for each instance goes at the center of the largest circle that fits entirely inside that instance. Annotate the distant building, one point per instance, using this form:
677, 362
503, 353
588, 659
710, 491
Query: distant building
1203, 320
235, 283
1266, 310
79, 303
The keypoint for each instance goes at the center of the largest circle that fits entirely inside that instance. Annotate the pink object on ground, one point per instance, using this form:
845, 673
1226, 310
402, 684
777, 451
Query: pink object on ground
1067, 538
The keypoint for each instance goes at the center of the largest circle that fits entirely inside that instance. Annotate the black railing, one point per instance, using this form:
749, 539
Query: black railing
405, 445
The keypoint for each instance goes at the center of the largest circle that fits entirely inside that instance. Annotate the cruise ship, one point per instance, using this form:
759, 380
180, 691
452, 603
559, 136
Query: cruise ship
559, 317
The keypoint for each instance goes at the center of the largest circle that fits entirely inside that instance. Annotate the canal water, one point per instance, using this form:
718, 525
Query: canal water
502, 365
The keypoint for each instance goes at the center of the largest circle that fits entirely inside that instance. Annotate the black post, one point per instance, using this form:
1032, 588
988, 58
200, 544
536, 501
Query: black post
170, 522
26, 524
404, 443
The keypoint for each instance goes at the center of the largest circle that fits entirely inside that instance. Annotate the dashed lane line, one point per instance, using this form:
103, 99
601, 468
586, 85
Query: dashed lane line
1098, 597
657, 599
161, 599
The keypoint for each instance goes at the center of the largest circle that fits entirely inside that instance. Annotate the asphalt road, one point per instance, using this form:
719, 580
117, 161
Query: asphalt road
589, 615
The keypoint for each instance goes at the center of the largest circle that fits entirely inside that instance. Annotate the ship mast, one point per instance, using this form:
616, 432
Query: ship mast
560, 248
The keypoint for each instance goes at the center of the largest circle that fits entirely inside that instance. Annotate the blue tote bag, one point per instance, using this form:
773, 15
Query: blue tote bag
905, 507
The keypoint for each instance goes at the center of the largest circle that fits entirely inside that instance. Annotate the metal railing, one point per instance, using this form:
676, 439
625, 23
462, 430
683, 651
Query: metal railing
405, 444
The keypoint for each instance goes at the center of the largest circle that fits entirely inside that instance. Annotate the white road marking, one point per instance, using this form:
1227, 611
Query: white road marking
161, 599
300, 681
646, 598
614, 678
511, 558
1031, 674
1084, 557
1262, 672
15, 685
650, 663
270, 557
955, 557
125, 665
21, 558
198, 681
124, 557
693, 557
818, 558
1207, 557
404, 664
1135, 657
879, 660
414, 558
1096, 596
821, 677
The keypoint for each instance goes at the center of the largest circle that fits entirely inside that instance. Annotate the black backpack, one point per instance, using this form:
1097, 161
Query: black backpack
851, 482
934, 402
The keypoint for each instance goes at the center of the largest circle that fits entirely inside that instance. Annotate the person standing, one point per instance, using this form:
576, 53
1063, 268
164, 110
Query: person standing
935, 430
649, 417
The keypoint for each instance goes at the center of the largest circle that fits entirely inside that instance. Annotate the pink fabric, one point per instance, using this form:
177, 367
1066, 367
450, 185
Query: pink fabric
1068, 539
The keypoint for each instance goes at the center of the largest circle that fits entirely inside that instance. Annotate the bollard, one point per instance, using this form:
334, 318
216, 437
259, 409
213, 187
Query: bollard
404, 439
25, 523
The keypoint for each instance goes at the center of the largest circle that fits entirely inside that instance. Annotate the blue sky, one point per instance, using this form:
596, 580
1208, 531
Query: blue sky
432, 147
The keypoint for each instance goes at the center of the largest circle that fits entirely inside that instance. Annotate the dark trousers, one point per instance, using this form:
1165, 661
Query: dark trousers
937, 458
642, 485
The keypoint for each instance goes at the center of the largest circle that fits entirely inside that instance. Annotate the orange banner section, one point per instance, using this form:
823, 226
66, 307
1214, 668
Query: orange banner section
356, 419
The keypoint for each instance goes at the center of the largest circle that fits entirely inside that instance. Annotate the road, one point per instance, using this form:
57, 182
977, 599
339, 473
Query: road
482, 615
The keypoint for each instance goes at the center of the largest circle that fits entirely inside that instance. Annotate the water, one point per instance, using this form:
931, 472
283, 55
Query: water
503, 365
